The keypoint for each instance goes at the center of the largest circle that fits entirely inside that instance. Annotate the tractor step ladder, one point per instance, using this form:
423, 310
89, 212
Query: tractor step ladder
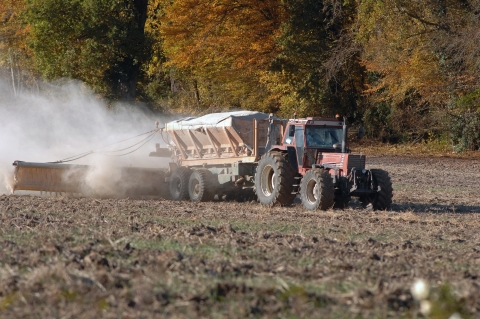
296, 187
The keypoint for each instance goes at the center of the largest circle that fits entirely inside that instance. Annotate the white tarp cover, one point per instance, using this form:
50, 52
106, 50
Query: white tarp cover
225, 119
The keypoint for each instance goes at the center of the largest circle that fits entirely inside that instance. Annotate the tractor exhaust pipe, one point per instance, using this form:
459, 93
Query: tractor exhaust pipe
345, 133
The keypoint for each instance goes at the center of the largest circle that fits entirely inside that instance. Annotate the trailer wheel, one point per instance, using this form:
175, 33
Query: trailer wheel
317, 190
179, 183
382, 200
200, 186
274, 180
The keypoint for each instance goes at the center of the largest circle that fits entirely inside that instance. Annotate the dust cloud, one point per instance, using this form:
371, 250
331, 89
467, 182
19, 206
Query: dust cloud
62, 120
103, 178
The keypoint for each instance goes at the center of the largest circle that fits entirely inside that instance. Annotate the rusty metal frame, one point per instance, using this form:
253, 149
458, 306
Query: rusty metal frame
217, 153
232, 141
194, 140
212, 140
179, 146
218, 161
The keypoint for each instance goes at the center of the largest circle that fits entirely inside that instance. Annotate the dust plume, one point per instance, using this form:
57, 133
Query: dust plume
59, 121
103, 179
8, 178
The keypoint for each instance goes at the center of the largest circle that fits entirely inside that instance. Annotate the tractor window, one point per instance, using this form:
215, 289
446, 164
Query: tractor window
299, 140
290, 133
323, 137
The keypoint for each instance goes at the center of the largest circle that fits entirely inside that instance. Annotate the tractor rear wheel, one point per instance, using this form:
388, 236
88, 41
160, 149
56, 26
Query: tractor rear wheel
274, 180
381, 182
200, 186
179, 183
317, 190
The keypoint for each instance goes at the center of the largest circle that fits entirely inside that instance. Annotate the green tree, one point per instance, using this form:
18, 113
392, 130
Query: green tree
100, 42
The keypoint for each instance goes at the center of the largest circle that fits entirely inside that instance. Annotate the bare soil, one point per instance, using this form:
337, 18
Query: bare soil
120, 258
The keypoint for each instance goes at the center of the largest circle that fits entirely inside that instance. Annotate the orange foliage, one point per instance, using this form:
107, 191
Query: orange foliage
11, 29
13, 32
222, 37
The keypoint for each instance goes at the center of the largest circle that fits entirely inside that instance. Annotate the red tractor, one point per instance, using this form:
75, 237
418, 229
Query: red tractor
235, 153
312, 159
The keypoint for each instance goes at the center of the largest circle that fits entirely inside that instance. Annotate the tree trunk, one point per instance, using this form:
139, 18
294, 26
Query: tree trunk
13, 82
141, 7
196, 93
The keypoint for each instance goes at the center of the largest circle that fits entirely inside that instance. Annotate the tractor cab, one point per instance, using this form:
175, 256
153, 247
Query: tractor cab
307, 139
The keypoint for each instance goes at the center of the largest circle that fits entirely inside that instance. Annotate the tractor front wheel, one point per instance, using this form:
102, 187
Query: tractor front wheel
317, 190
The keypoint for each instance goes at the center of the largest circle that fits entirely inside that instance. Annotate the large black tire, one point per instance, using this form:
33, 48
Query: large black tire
317, 190
179, 183
200, 186
274, 180
382, 200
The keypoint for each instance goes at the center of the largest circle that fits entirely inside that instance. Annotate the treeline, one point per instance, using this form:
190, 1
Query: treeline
408, 70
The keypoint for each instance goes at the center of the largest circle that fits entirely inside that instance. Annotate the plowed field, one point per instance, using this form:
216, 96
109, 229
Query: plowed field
120, 258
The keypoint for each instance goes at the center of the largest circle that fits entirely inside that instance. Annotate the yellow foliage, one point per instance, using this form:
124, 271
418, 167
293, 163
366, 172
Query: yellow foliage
398, 46
13, 48
222, 37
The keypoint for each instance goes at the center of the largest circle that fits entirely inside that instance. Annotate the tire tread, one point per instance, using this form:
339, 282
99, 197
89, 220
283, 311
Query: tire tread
283, 195
384, 199
184, 175
206, 183
327, 190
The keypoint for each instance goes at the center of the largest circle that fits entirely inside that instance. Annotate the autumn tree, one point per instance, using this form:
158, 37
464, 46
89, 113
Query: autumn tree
14, 53
157, 86
317, 71
461, 66
221, 47
420, 55
409, 69
100, 42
